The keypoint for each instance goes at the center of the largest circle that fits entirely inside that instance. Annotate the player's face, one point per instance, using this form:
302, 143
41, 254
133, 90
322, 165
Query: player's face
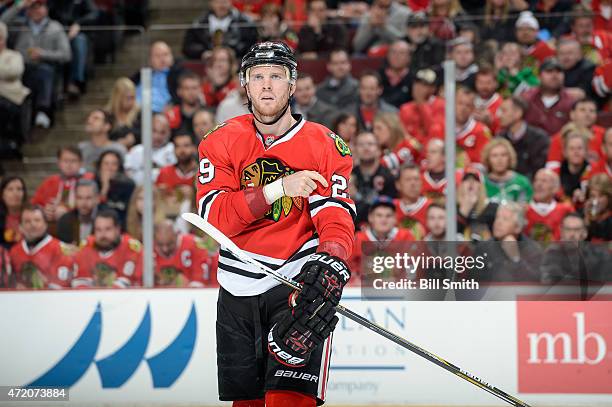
184, 149
575, 151
86, 200
544, 184
486, 85
505, 223
69, 164
435, 154
369, 90
409, 183
165, 242
106, 233
33, 225
12, 196
269, 90
436, 222
499, 159
464, 106
203, 122
304, 91
382, 220
190, 91
585, 114
339, 65
573, 230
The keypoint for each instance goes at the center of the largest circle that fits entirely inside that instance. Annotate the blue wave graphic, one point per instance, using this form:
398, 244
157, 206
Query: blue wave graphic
117, 368
76, 361
167, 365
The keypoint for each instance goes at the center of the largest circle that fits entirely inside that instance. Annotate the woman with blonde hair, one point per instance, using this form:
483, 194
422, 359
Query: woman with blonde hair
502, 183
397, 146
598, 208
441, 15
125, 113
135, 209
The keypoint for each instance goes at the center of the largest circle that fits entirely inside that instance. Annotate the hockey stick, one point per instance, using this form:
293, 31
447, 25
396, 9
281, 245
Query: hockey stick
226, 242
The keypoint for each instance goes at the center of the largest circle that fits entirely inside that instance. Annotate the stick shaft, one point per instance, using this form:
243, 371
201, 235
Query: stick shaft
223, 240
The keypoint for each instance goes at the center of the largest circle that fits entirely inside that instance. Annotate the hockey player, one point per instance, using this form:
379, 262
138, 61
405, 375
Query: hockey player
277, 185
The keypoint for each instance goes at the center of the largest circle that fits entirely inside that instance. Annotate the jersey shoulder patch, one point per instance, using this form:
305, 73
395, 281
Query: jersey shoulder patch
341, 146
134, 245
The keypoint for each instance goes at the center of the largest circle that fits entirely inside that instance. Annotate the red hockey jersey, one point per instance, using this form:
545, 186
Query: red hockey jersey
58, 189
213, 95
431, 188
119, 268
594, 154
171, 176
413, 217
600, 167
189, 265
471, 140
491, 105
537, 53
407, 151
419, 118
47, 265
234, 158
544, 220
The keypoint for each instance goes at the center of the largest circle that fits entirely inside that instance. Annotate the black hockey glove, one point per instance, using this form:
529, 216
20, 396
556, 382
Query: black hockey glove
301, 330
322, 276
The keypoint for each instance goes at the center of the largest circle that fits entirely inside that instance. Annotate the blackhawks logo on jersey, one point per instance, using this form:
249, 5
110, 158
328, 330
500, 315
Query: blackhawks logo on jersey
104, 275
264, 171
341, 145
170, 276
32, 277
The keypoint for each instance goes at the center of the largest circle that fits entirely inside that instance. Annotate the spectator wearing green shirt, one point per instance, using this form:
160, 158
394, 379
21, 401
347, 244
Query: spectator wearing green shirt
502, 183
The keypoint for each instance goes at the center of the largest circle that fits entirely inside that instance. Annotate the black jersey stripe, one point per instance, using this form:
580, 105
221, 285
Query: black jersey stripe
340, 202
207, 200
244, 273
228, 255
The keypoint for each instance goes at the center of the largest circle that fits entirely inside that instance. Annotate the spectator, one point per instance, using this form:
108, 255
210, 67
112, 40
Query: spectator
13, 197
530, 143
115, 186
553, 17
136, 207
502, 182
181, 260
396, 75
203, 122
234, 104
577, 70
110, 258
273, 28
582, 119
7, 278
428, 51
574, 168
499, 21
165, 73
221, 25
308, 105
598, 208
40, 260
436, 225
163, 152
603, 15
15, 108
462, 52
75, 15
433, 177
596, 44
604, 166
487, 99
45, 47
442, 14
345, 125
550, 103
369, 177
255, 8
190, 100
475, 213
56, 193
375, 33
398, 147
98, 125
125, 113
419, 116
571, 260
339, 88
220, 79
411, 206
183, 172
544, 213
76, 225
320, 35
534, 50
513, 75
370, 102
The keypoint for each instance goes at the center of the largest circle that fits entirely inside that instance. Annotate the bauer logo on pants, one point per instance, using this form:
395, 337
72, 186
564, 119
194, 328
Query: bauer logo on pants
565, 347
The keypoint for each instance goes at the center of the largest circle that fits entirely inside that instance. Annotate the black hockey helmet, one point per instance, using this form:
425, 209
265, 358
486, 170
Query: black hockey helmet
269, 53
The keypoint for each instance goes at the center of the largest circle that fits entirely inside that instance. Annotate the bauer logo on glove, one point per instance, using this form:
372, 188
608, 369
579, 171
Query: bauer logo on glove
322, 276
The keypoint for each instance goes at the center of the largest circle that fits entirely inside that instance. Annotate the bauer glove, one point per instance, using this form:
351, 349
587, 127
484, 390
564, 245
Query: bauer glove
322, 276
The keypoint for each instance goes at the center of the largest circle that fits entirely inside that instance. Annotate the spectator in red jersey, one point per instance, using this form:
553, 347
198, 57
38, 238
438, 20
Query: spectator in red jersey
488, 100
398, 147
339, 88
596, 44
530, 143
181, 260
376, 30
433, 177
75, 226
255, 9
598, 208
320, 35
411, 205
109, 259
582, 117
429, 52
544, 213
125, 113
396, 74
603, 14
462, 52
604, 166
220, 78
475, 213
574, 168
550, 103
180, 116
273, 28
183, 172
56, 193
116, 187
534, 50
40, 260
602, 85
345, 125
425, 109
308, 104
577, 70
13, 197
370, 102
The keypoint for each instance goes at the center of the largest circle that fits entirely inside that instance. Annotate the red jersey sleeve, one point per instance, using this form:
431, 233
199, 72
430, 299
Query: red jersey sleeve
62, 267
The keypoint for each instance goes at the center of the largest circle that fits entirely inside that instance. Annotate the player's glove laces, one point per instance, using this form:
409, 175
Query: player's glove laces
322, 276
301, 330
